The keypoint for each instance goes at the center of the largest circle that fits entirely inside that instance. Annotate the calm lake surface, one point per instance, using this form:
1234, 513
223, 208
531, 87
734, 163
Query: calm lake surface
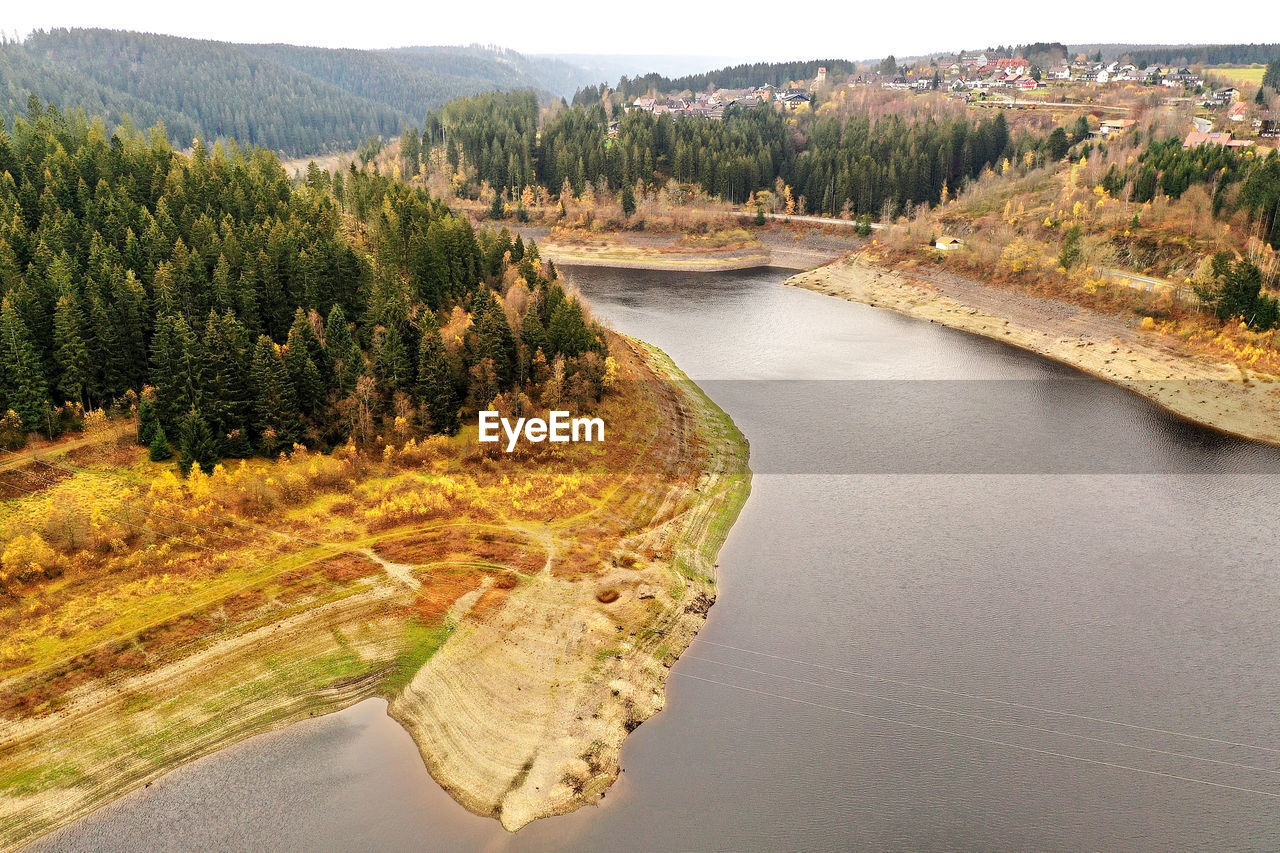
975, 602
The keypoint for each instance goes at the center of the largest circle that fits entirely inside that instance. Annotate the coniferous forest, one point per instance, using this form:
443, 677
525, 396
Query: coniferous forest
834, 161
294, 100
241, 313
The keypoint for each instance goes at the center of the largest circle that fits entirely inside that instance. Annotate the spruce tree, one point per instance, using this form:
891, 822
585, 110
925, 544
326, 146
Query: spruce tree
196, 444
436, 386
148, 421
302, 371
392, 360
491, 337
158, 447
276, 419
348, 362
70, 353
22, 382
533, 335
568, 331
224, 401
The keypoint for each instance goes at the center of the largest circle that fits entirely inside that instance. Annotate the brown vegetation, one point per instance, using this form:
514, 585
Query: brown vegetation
267, 590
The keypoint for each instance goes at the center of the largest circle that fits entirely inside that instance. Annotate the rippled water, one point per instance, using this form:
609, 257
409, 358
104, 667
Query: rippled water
974, 602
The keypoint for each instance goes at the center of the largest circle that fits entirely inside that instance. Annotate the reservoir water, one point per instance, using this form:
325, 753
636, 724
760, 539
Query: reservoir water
975, 602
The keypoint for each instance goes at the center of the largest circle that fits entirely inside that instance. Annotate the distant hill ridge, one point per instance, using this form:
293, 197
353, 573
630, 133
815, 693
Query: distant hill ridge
295, 100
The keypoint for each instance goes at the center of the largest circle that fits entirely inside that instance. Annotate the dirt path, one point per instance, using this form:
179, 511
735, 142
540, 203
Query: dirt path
32, 453
1109, 347
399, 572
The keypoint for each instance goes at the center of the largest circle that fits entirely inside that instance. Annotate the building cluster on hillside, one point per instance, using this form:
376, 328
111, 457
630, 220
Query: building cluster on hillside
712, 105
977, 71
1265, 126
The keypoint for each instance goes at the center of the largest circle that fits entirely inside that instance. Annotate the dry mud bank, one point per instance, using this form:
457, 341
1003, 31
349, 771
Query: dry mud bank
781, 246
519, 698
1211, 393
522, 715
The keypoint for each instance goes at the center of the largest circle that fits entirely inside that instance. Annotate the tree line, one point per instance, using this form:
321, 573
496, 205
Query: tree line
1237, 181
838, 163
777, 74
1205, 54
242, 313
292, 99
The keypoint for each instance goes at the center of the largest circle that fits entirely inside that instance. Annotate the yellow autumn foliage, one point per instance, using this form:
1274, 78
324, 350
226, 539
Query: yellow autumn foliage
25, 557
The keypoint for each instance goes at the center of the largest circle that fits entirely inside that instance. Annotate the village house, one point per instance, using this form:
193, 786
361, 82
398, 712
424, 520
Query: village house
1182, 78
1115, 125
1196, 138
793, 99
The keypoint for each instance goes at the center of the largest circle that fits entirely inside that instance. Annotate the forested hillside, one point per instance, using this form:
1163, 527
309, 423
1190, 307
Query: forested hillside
371, 75
737, 77
497, 68
24, 74
836, 162
1205, 54
243, 314
295, 100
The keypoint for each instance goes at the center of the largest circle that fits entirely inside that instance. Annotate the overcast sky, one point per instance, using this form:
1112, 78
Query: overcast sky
852, 29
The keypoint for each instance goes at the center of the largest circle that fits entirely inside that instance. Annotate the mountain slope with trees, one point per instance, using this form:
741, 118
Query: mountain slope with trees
242, 314
836, 162
294, 100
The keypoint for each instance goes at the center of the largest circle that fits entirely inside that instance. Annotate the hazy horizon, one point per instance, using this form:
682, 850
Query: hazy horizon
665, 29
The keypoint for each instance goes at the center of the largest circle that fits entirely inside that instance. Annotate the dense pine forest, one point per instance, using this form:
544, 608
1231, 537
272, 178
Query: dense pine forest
1236, 181
241, 313
778, 74
294, 100
836, 162
1204, 54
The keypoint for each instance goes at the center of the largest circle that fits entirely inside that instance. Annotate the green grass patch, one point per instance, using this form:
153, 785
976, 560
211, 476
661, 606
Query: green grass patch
605, 654
1251, 75
33, 780
421, 642
136, 702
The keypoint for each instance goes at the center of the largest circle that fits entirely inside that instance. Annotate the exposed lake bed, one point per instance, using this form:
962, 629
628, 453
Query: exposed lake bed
1059, 638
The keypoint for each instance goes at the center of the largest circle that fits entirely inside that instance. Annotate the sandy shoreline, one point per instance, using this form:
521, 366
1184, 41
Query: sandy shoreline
1210, 393
781, 246
708, 262
522, 716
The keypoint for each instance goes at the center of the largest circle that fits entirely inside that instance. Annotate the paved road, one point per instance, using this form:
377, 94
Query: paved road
1137, 281
816, 220
1005, 101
